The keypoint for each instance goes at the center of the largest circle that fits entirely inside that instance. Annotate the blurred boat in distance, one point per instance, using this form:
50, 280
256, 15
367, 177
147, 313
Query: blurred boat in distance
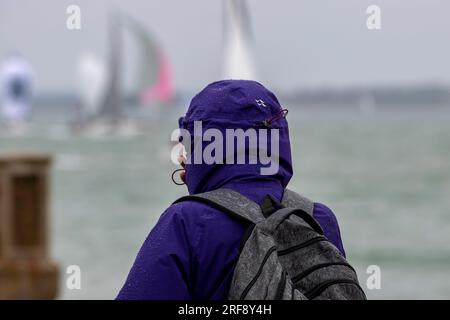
15, 94
238, 57
104, 104
154, 84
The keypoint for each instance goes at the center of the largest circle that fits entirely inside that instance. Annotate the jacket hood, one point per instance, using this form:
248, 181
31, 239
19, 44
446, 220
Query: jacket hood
237, 104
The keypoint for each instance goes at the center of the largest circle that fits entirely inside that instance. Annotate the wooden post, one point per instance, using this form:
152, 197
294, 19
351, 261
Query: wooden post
26, 271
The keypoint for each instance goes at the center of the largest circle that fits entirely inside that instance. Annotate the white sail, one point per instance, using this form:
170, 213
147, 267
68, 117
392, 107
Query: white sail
92, 79
238, 57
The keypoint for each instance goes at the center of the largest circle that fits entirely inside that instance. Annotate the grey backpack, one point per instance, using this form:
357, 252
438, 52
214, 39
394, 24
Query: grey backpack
284, 255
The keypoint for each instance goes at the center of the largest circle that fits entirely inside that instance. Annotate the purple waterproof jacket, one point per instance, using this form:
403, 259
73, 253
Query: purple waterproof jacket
191, 252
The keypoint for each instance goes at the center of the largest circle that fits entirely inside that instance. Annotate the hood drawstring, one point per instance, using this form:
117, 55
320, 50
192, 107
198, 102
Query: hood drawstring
279, 115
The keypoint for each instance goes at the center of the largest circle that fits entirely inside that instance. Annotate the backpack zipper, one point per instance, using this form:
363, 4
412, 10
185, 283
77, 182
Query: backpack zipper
250, 285
301, 245
281, 286
314, 292
305, 273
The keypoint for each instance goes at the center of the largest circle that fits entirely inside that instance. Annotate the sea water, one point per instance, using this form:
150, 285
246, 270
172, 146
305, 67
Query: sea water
386, 175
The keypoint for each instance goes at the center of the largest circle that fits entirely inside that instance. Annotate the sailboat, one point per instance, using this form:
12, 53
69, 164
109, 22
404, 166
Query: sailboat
107, 113
238, 47
154, 81
15, 93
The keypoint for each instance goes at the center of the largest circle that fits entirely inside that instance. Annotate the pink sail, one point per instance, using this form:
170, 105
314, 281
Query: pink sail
162, 91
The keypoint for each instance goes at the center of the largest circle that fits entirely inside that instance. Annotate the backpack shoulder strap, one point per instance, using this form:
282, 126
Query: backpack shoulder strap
229, 201
300, 206
292, 199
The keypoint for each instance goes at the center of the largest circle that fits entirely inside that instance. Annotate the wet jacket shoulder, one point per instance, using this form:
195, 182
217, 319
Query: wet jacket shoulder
187, 255
191, 253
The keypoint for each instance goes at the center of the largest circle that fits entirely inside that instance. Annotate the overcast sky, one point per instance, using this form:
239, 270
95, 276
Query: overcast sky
297, 42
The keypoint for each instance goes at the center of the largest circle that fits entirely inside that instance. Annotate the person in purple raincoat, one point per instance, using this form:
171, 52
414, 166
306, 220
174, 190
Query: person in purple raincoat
191, 252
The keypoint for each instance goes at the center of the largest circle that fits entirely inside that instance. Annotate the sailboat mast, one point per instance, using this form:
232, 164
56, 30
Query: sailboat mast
112, 103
